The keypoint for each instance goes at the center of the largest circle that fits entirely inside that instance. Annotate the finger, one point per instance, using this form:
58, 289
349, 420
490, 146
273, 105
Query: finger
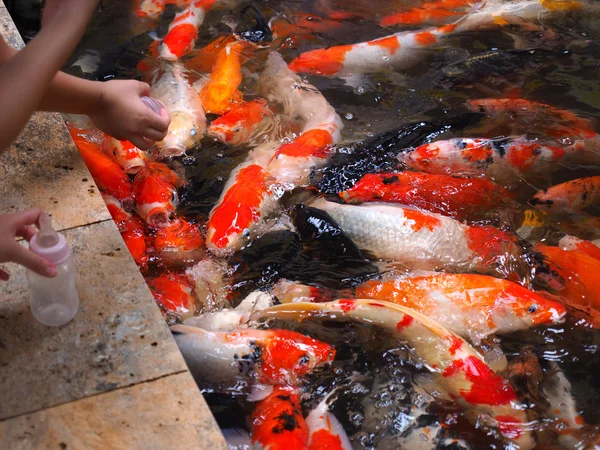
140, 142
154, 135
26, 232
4, 276
159, 122
33, 262
28, 217
143, 88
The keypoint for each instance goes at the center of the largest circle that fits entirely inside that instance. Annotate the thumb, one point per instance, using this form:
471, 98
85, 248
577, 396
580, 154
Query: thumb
143, 88
33, 262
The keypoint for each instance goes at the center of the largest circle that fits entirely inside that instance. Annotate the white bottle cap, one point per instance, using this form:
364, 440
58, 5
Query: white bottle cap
154, 104
49, 244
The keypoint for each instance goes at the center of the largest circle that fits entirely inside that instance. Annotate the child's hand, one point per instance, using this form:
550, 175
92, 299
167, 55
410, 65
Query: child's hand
122, 114
67, 11
19, 225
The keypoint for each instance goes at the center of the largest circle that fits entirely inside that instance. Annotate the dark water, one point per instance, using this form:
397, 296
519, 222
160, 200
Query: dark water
389, 112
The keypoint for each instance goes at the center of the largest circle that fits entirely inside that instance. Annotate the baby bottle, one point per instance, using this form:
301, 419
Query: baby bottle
152, 103
54, 301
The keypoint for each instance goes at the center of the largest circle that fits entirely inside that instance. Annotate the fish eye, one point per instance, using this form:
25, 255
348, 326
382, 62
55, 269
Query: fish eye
236, 129
532, 308
193, 132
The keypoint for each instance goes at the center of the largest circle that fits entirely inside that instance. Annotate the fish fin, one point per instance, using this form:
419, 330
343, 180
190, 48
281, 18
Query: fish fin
259, 392
430, 383
360, 82
237, 438
88, 62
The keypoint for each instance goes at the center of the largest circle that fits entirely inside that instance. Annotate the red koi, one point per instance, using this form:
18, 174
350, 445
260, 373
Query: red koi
181, 241
125, 154
569, 243
173, 292
240, 123
155, 188
436, 11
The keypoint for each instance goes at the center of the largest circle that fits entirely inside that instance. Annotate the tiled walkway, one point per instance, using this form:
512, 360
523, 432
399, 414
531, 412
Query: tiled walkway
112, 378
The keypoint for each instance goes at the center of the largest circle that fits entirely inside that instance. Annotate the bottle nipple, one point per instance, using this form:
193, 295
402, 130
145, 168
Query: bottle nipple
152, 103
46, 237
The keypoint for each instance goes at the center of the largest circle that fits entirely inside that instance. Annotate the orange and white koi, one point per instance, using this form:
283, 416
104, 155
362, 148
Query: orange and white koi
183, 31
436, 12
202, 60
424, 240
188, 120
574, 195
277, 422
220, 93
152, 9
292, 163
246, 198
108, 175
591, 248
291, 292
271, 357
578, 270
461, 198
173, 292
131, 227
472, 306
241, 123
155, 188
505, 161
125, 154
396, 52
180, 241
325, 430
458, 367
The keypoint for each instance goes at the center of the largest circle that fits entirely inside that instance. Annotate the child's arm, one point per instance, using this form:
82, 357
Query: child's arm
24, 79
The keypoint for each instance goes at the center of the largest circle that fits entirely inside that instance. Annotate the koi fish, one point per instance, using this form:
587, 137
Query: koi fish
458, 367
132, 229
173, 292
290, 292
325, 431
502, 160
204, 59
292, 163
579, 271
472, 306
241, 123
574, 195
272, 357
188, 120
108, 175
221, 92
246, 198
210, 287
424, 240
125, 154
183, 31
572, 243
180, 241
152, 9
155, 188
398, 51
277, 422
436, 11
460, 198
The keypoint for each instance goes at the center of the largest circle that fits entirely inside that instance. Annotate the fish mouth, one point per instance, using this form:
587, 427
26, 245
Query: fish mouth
218, 135
128, 204
158, 218
133, 168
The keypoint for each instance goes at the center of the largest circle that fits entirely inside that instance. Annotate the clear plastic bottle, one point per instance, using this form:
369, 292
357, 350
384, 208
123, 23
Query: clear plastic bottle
54, 301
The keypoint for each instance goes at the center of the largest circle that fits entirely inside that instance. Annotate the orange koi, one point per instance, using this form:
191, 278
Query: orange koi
472, 306
459, 368
221, 92
579, 271
505, 160
125, 154
277, 422
204, 59
271, 357
460, 198
241, 123
245, 199
424, 240
180, 241
155, 188
574, 195
173, 292
183, 31
436, 12
132, 229
108, 175
572, 243
395, 52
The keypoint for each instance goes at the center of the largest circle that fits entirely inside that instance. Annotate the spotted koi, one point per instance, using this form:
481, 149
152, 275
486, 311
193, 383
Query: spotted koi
125, 154
574, 195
